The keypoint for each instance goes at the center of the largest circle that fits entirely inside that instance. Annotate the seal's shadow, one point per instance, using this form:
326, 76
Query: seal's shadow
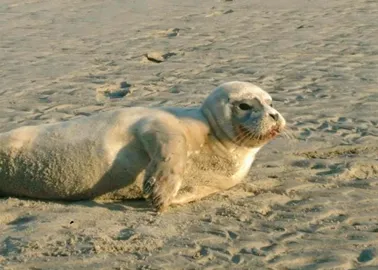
139, 205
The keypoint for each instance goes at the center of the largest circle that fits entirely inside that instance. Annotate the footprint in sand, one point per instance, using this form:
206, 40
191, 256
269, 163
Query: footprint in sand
112, 91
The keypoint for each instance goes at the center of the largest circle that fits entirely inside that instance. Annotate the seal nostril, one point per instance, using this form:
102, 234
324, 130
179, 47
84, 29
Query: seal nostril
274, 116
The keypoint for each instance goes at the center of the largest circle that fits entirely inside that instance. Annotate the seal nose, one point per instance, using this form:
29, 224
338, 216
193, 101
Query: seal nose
274, 116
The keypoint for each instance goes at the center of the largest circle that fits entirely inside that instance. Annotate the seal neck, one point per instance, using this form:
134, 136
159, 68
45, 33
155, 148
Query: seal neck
219, 138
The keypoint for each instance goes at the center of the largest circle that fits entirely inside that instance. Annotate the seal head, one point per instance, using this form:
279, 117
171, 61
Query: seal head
242, 113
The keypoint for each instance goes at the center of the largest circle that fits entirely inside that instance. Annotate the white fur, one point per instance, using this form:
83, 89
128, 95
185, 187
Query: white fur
246, 164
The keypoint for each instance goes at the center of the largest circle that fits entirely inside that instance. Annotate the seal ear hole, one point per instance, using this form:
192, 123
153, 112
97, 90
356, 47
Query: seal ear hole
244, 107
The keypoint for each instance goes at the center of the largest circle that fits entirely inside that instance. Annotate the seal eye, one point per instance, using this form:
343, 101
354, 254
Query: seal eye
244, 107
271, 105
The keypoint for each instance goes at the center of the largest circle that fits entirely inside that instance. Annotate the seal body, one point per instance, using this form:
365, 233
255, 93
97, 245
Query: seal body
169, 155
78, 159
91, 156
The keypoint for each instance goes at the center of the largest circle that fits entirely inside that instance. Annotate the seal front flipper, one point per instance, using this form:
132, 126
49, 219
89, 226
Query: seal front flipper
166, 146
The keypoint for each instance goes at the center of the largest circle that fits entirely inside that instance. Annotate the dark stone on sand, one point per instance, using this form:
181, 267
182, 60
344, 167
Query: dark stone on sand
367, 255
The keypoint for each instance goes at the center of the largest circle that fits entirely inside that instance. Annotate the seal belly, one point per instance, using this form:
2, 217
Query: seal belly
204, 168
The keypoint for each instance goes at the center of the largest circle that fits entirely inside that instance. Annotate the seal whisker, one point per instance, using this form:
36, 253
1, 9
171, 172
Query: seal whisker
246, 137
288, 133
243, 135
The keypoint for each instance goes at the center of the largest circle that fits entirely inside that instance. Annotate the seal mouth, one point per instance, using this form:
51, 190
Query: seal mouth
247, 134
273, 132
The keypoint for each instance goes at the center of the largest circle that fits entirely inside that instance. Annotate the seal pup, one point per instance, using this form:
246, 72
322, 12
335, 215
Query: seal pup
167, 155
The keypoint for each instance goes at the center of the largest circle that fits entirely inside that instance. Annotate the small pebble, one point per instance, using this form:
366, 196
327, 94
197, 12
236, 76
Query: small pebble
367, 255
158, 57
173, 32
237, 259
174, 90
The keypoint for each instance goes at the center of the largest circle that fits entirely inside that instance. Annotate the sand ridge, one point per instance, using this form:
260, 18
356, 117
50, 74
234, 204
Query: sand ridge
308, 203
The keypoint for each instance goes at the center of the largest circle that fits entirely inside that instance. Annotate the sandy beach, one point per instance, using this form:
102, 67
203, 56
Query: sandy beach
309, 202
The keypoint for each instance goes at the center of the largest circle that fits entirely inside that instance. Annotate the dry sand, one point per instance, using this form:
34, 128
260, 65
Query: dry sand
308, 203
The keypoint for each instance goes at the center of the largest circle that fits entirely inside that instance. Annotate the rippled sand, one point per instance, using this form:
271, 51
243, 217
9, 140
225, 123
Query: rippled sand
308, 203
